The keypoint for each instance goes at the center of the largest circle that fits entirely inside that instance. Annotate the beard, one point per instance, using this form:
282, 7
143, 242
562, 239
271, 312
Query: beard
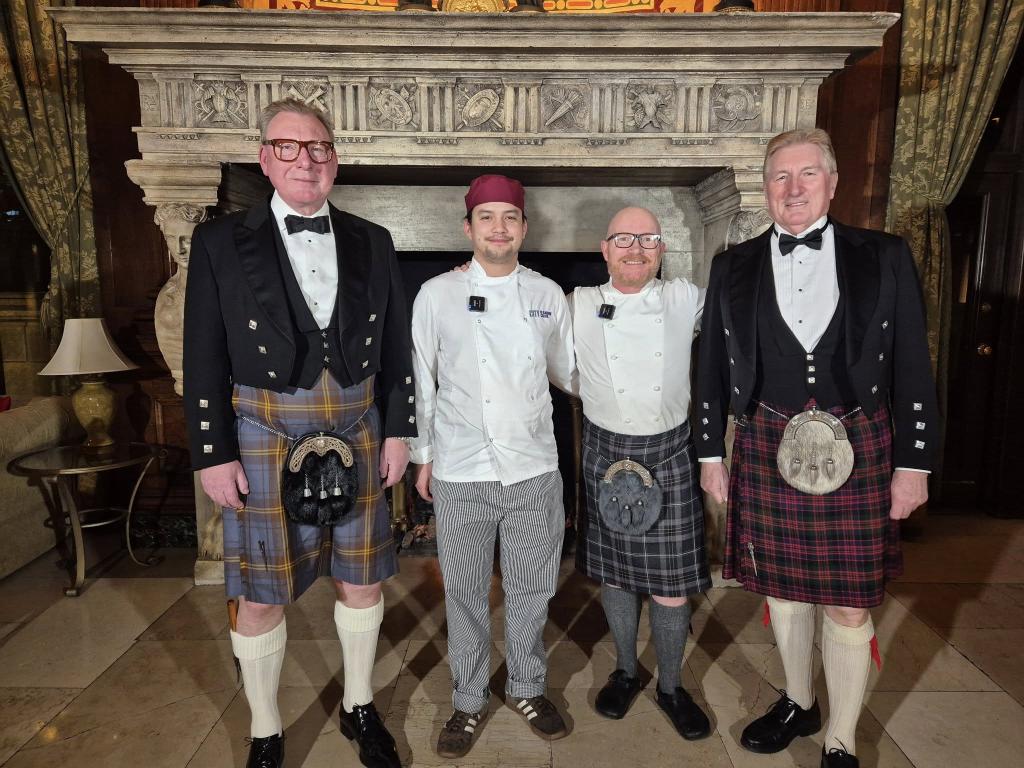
634, 275
499, 254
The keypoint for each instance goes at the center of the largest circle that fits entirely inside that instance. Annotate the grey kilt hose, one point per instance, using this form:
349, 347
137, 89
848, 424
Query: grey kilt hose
529, 522
668, 559
268, 558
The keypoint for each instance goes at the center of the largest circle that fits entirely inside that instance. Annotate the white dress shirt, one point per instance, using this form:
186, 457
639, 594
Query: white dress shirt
806, 285
314, 260
634, 369
482, 402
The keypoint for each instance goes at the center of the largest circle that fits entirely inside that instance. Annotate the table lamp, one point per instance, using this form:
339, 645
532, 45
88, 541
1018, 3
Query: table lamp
86, 350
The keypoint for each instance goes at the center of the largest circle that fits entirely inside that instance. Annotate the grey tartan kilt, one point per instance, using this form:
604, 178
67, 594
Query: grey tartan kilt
668, 560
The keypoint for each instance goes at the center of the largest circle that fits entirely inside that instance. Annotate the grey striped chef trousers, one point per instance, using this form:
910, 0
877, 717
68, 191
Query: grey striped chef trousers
529, 521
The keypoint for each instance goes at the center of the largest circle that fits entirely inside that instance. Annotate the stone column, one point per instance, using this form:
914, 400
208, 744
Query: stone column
181, 193
733, 210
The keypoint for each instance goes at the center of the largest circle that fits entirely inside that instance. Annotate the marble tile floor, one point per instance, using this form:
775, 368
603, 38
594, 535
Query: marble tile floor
138, 670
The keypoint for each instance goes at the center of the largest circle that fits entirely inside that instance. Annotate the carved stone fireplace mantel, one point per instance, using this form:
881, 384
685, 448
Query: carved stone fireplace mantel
662, 100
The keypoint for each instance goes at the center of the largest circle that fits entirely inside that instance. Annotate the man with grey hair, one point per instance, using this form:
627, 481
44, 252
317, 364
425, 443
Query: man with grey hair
296, 323
814, 333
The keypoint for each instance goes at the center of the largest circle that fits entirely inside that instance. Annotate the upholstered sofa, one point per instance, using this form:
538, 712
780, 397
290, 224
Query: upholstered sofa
40, 423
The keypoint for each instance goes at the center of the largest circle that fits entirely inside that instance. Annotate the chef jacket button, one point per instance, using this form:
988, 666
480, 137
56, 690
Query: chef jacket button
657, 389
657, 354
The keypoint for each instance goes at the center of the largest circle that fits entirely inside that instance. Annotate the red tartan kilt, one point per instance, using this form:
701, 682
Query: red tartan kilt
838, 549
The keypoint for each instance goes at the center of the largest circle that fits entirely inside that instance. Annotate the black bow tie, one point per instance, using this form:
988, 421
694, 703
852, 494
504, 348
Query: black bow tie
812, 240
321, 225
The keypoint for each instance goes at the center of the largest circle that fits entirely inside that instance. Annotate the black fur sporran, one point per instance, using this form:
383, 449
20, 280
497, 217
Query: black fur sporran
319, 481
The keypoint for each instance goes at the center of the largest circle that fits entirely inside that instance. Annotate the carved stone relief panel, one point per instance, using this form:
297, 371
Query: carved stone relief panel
220, 104
315, 93
394, 107
565, 108
736, 107
650, 107
478, 107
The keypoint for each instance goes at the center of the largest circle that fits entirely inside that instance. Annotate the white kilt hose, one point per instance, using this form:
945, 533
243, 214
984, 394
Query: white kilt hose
667, 560
528, 520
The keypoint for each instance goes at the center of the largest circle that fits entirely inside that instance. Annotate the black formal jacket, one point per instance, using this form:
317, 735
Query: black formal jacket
886, 340
238, 327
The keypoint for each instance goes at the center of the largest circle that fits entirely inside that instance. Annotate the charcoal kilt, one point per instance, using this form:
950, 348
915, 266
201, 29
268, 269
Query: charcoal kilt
268, 558
837, 549
667, 560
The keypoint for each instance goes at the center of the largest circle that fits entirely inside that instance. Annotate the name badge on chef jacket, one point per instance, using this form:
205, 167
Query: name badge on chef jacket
477, 304
606, 311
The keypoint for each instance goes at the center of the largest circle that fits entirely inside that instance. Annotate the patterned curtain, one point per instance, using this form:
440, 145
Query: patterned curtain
43, 143
953, 57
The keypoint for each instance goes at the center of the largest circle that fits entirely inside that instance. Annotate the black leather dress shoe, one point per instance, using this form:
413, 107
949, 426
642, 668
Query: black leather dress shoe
376, 746
617, 695
686, 716
838, 758
266, 753
773, 731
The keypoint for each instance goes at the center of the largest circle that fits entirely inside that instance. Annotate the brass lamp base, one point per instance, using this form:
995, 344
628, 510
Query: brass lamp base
93, 404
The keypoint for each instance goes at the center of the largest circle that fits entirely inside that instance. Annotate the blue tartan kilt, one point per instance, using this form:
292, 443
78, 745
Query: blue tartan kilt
268, 558
669, 559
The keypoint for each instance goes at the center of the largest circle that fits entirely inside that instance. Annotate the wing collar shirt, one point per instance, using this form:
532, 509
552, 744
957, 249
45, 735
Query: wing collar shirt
482, 402
806, 285
314, 260
634, 368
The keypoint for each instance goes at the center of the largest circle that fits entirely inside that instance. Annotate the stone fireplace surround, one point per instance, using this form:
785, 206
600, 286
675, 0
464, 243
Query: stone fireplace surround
669, 111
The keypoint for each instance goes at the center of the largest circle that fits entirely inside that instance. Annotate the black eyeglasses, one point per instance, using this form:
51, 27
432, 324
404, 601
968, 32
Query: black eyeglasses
625, 239
287, 150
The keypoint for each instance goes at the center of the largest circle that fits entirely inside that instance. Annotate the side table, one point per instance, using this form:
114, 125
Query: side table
60, 466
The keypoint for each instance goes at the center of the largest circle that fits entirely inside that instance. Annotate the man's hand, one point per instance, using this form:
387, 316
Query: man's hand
423, 474
394, 458
463, 267
225, 484
714, 479
909, 491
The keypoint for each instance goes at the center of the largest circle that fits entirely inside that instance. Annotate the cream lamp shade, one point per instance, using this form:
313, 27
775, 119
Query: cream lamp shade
86, 350
86, 347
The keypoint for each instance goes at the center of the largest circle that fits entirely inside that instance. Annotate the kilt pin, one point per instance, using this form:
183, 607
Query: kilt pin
267, 557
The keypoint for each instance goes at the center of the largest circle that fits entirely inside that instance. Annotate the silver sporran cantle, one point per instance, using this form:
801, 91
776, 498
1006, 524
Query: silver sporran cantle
815, 455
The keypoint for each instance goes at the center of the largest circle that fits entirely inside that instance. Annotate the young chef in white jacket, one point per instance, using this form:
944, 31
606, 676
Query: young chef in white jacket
486, 341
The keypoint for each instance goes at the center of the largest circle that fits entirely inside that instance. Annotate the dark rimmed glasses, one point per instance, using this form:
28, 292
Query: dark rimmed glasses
287, 150
625, 239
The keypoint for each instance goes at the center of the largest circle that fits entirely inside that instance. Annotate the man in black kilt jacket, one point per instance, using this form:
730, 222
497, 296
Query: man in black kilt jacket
813, 314
296, 323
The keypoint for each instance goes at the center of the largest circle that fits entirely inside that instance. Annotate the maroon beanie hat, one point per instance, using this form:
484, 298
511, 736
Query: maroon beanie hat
494, 188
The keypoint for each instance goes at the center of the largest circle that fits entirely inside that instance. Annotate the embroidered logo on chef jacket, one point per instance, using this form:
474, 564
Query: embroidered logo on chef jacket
540, 313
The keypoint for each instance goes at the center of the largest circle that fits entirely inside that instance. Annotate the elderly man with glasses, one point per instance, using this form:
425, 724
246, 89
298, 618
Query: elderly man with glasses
643, 533
296, 323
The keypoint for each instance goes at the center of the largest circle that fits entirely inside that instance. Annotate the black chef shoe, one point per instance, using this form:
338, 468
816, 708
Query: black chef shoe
617, 695
686, 716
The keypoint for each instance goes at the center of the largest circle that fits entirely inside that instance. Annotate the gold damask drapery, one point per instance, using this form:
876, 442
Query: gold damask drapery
953, 57
42, 137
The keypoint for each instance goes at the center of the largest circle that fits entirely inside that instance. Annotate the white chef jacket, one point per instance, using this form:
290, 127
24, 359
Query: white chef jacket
634, 369
483, 408
314, 260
